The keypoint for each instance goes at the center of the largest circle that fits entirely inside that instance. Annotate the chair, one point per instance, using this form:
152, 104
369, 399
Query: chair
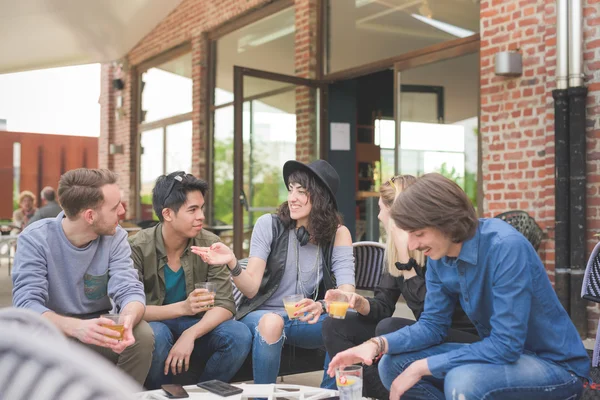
525, 224
8, 246
369, 261
53, 367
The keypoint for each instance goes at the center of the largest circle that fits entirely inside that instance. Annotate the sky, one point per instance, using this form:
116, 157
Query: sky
56, 100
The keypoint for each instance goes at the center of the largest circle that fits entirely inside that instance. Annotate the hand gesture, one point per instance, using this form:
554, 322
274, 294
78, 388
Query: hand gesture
199, 300
312, 308
128, 338
92, 331
179, 356
217, 254
365, 353
355, 300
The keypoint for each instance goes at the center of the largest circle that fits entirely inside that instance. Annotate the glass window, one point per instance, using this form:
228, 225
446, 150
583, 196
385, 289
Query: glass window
449, 148
364, 31
179, 147
167, 89
267, 44
151, 166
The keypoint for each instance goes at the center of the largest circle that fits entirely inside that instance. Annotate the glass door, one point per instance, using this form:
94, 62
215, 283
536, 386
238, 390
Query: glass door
270, 111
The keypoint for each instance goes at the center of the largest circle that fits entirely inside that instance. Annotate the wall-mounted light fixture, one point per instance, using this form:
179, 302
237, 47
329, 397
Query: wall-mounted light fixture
118, 84
509, 63
115, 148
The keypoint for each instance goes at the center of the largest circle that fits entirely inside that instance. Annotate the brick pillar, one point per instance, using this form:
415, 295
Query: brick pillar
199, 98
306, 63
107, 114
125, 134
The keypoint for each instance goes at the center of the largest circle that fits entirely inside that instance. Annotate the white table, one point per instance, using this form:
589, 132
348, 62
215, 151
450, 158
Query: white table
251, 391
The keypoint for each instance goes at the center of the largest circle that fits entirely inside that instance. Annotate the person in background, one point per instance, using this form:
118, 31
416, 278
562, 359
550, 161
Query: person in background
404, 275
302, 249
73, 268
50, 207
23, 214
192, 327
529, 348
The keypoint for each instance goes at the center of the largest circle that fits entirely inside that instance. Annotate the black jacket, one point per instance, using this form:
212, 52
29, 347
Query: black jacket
276, 264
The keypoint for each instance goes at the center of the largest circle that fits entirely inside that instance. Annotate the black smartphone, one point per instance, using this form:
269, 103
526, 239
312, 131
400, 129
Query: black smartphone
175, 391
220, 388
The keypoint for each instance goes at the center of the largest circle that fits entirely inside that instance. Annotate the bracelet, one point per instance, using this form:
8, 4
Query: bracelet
380, 346
237, 270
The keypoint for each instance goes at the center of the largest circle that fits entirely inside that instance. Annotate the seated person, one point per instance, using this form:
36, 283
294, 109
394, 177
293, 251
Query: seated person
303, 249
404, 276
24, 213
69, 268
50, 209
530, 349
192, 327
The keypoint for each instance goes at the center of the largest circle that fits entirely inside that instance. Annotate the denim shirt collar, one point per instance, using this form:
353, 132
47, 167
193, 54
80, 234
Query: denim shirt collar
468, 251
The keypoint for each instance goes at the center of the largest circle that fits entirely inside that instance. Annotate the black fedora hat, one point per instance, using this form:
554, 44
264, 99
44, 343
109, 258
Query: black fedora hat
320, 169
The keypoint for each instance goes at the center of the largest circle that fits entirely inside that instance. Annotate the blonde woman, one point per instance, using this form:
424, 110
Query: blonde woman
404, 275
25, 211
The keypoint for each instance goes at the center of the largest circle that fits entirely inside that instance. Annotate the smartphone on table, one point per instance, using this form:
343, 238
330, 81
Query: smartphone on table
220, 388
175, 391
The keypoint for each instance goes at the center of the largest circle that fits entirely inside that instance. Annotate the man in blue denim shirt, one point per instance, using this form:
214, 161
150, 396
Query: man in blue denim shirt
529, 348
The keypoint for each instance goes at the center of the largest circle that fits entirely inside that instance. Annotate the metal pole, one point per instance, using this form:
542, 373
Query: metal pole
562, 44
575, 43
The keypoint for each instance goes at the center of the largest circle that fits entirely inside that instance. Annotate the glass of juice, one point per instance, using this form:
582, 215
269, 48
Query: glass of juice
349, 381
211, 287
338, 305
289, 302
117, 327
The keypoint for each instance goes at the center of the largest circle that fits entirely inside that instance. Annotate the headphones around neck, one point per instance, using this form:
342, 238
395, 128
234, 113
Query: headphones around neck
303, 236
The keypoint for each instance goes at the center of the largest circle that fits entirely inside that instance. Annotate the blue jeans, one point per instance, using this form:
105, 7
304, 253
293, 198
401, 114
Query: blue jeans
222, 351
529, 378
266, 358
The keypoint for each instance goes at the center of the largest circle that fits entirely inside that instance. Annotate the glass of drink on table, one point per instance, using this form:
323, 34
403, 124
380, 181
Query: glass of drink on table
349, 381
118, 325
210, 287
289, 302
338, 305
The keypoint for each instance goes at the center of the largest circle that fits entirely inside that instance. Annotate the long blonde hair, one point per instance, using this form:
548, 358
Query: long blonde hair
388, 192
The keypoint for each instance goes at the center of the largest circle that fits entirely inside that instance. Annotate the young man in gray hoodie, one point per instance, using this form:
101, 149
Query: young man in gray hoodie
69, 268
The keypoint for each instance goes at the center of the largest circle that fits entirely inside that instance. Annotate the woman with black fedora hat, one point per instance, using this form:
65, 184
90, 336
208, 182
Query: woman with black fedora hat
302, 249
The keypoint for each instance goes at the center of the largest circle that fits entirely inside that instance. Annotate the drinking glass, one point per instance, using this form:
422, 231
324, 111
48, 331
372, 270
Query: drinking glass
338, 305
349, 381
117, 327
211, 287
289, 302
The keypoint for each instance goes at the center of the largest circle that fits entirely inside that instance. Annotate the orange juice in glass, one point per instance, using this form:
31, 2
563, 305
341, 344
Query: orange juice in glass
117, 327
338, 305
289, 302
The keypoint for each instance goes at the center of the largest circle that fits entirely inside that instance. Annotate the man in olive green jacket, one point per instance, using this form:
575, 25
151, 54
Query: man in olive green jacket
191, 326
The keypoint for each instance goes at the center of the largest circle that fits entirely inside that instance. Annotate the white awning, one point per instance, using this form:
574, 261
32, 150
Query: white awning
36, 34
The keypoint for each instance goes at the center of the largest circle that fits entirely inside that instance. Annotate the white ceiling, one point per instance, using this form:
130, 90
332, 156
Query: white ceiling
37, 34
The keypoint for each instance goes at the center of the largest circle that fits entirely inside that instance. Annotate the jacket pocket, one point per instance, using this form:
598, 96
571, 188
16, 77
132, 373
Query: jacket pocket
95, 286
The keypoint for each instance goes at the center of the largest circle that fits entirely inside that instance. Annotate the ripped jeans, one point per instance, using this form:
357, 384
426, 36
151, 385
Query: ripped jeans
266, 358
530, 378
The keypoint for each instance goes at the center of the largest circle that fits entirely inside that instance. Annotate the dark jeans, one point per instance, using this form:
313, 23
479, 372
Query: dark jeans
218, 354
342, 334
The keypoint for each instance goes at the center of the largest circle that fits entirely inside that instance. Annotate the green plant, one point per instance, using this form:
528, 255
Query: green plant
468, 182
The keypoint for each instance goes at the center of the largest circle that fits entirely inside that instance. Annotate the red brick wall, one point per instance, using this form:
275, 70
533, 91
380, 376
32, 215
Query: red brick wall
517, 116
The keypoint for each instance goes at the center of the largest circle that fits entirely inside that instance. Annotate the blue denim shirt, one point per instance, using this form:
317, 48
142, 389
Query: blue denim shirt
503, 287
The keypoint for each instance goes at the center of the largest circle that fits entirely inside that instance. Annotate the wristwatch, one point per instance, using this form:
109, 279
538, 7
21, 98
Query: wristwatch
323, 305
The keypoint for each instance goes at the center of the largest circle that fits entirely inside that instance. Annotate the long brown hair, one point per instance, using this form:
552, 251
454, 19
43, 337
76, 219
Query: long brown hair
324, 219
435, 201
389, 191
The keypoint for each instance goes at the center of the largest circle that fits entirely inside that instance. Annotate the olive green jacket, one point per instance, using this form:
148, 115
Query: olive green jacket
150, 257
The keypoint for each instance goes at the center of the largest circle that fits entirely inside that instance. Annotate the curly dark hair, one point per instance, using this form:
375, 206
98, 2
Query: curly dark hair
323, 213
